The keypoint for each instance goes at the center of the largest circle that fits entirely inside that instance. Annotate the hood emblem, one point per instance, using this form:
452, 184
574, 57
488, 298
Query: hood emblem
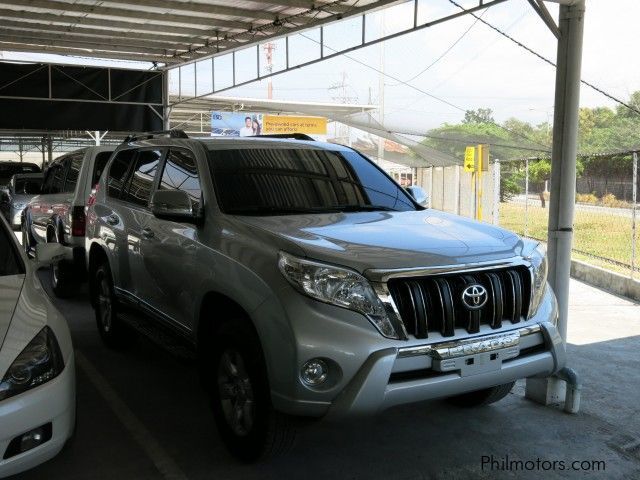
474, 296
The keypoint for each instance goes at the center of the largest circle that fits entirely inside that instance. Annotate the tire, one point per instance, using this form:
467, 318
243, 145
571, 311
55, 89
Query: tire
27, 240
112, 330
241, 400
483, 397
63, 281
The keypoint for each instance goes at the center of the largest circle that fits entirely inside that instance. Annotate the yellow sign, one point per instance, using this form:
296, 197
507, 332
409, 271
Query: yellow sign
470, 159
291, 124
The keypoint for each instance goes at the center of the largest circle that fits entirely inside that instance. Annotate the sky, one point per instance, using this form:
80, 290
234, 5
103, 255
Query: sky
482, 70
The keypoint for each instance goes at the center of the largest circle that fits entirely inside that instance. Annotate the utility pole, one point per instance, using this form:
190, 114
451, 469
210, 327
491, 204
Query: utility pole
269, 47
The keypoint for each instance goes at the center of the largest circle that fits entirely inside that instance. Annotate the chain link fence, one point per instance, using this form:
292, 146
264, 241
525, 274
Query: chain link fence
605, 222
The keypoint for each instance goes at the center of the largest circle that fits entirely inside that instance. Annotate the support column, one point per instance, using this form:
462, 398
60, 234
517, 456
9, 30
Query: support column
165, 100
49, 150
563, 179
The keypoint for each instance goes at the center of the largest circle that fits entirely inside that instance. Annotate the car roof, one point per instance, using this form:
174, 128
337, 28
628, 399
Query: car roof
233, 143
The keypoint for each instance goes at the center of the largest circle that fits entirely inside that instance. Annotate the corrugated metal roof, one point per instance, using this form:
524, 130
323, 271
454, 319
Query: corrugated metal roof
163, 31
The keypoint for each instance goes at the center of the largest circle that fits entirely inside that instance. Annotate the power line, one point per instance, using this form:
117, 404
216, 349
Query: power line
451, 47
446, 102
545, 59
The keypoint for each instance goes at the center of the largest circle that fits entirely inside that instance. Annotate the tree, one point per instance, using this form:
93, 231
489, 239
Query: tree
481, 115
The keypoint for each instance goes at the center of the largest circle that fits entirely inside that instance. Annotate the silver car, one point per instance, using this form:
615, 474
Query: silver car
37, 369
57, 215
21, 189
310, 284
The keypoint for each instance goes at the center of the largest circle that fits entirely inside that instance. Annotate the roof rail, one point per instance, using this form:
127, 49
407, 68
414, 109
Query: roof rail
295, 136
174, 133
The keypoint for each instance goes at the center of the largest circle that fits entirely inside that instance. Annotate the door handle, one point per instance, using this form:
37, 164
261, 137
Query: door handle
147, 233
113, 219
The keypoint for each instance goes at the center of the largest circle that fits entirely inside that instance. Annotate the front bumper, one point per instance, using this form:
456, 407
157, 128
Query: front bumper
397, 376
55, 403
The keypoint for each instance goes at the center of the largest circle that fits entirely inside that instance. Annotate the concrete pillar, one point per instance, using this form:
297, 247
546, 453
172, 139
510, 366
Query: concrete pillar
563, 176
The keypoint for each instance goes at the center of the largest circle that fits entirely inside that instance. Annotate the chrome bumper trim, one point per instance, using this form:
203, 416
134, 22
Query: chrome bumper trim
469, 346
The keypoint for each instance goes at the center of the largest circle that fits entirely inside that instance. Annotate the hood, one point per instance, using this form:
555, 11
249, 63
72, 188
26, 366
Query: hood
10, 288
366, 240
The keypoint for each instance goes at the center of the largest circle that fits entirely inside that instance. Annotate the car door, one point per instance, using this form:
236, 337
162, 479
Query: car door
136, 218
170, 249
51, 201
110, 216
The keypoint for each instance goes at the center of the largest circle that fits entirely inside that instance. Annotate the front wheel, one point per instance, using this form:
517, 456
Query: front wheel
249, 426
482, 397
112, 330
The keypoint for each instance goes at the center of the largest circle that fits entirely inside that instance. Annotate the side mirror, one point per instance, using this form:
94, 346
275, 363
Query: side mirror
50, 253
174, 205
419, 195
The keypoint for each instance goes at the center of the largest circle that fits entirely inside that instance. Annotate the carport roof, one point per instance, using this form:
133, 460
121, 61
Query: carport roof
163, 31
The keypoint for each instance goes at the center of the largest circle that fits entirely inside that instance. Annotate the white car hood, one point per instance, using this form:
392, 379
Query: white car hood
10, 288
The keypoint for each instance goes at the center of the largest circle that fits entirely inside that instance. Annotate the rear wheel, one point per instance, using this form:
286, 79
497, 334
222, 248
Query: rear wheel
112, 330
249, 426
63, 282
482, 397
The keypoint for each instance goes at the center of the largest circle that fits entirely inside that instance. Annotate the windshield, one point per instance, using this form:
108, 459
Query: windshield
9, 169
27, 185
264, 181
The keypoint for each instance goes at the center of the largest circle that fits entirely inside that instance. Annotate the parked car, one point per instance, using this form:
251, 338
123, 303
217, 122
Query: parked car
37, 372
9, 169
58, 213
21, 189
311, 284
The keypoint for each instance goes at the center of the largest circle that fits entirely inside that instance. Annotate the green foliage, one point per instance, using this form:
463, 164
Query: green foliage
601, 130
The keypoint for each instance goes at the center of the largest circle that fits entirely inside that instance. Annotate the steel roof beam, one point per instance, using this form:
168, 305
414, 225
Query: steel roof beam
90, 45
128, 13
83, 52
103, 38
76, 20
200, 8
109, 33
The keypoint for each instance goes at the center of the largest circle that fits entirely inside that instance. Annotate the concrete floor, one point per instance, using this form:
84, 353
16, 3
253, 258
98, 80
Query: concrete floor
142, 415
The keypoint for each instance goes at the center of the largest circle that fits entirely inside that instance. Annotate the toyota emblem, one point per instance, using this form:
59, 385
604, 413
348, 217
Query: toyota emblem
474, 297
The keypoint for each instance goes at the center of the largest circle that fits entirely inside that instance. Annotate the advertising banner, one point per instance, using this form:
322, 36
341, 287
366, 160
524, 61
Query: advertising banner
247, 124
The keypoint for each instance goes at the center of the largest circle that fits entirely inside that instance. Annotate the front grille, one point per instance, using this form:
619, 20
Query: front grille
434, 303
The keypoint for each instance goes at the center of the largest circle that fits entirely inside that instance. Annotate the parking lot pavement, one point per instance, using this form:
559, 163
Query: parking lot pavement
142, 414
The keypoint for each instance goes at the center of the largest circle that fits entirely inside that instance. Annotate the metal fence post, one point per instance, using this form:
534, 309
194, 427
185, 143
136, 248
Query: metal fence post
633, 214
526, 197
496, 192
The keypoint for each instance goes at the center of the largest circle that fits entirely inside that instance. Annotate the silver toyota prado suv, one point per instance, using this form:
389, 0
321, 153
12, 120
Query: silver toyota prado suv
310, 284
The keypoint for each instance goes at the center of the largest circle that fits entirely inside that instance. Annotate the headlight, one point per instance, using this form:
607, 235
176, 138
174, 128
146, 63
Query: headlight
538, 259
18, 206
337, 286
39, 362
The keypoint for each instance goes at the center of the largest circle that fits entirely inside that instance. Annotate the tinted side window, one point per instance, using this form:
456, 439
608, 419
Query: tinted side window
181, 173
73, 173
118, 171
98, 166
55, 179
9, 262
139, 186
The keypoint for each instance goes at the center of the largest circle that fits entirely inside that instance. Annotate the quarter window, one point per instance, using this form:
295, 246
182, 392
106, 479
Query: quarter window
118, 171
73, 174
141, 183
181, 173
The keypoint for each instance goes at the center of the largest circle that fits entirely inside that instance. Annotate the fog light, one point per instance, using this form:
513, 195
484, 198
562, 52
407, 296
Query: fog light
29, 440
314, 372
